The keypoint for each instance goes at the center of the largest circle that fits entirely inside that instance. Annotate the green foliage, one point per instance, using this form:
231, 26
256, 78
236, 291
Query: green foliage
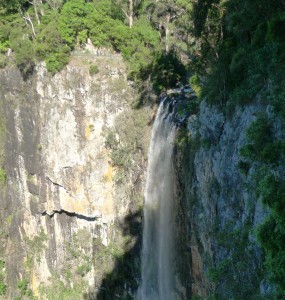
239, 51
266, 149
3, 61
4, 46
72, 21
104, 23
196, 84
68, 282
83, 269
48, 40
61, 290
182, 138
167, 71
243, 167
23, 288
276, 28
140, 45
57, 61
271, 236
24, 55
35, 248
121, 157
93, 70
234, 271
262, 146
3, 286
3, 176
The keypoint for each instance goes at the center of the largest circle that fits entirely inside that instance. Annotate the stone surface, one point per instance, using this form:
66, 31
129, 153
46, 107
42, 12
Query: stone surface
60, 175
221, 207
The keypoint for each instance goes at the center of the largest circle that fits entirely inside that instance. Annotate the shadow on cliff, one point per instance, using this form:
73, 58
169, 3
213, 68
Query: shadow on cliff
123, 280
165, 72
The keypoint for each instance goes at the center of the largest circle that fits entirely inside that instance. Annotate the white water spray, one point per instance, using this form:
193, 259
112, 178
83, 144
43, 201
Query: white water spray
158, 248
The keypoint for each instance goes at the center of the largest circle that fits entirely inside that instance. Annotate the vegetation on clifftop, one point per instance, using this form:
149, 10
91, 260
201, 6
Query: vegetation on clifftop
148, 35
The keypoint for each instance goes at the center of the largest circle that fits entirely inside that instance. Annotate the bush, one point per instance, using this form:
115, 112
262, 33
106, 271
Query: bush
121, 157
93, 70
261, 146
3, 61
196, 85
167, 71
3, 288
2, 176
243, 167
23, 287
55, 62
83, 269
48, 40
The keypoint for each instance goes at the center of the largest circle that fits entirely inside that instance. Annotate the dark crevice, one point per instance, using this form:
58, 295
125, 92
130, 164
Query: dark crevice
55, 183
70, 214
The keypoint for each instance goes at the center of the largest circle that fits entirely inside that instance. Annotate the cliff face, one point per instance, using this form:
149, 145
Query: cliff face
222, 208
71, 144
74, 153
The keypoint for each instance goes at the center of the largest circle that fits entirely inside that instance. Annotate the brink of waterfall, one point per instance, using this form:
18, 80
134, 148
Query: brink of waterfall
158, 234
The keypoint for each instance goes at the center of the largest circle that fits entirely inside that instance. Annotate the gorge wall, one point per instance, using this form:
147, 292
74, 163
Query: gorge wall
74, 152
222, 209
74, 159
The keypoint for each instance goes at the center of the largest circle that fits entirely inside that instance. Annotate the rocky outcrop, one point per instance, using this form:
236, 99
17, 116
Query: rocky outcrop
64, 199
221, 206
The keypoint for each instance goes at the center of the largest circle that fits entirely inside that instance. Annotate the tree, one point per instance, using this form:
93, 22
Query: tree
13, 5
72, 20
130, 9
165, 16
55, 4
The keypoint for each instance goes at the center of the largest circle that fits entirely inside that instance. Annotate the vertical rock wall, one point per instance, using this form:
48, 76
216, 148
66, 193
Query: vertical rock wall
66, 199
222, 208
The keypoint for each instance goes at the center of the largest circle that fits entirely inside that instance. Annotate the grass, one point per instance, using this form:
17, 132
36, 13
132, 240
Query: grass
3, 176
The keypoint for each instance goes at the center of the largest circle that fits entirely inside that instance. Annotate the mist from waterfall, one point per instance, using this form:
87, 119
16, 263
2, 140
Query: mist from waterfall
158, 246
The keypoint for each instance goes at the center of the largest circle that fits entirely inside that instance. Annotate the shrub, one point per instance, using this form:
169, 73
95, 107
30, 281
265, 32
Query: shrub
2, 175
196, 85
55, 62
167, 71
48, 40
3, 61
23, 287
3, 288
262, 147
243, 167
93, 70
83, 269
4, 46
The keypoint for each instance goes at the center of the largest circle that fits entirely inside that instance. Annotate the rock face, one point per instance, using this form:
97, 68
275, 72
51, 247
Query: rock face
222, 209
64, 197
74, 152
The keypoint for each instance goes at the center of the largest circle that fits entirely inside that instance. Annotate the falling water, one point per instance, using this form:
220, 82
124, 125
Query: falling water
157, 256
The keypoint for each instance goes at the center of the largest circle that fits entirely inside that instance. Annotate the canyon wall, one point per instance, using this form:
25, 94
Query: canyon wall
222, 209
75, 151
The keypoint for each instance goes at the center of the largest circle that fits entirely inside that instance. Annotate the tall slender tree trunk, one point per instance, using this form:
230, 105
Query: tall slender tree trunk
35, 5
131, 14
167, 31
36, 13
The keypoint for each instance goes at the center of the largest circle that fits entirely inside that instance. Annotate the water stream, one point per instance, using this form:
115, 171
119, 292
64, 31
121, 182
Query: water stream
158, 247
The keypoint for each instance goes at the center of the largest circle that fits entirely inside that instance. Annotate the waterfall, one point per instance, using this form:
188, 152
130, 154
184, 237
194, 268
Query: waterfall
158, 247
